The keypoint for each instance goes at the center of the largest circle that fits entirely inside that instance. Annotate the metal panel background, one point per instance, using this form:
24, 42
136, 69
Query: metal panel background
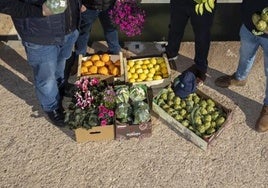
225, 28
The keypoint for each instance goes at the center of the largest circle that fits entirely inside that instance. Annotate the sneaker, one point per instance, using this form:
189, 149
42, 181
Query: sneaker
56, 117
262, 122
227, 80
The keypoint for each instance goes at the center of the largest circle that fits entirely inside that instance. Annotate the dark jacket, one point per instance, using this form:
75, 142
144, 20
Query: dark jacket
249, 7
16, 8
48, 30
98, 4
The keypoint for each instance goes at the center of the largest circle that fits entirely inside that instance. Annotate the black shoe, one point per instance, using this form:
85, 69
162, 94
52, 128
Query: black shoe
56, 117
200, 75
71, 66
172, 64
67, 90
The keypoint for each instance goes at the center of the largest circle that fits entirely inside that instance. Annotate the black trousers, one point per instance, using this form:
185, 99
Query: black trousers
180, 13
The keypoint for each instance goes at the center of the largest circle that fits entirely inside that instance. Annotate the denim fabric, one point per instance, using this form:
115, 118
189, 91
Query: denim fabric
48, 63
179, 16
249, 46
110, 32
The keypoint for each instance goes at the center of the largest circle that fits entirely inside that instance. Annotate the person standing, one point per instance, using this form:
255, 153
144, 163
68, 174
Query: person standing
251, 39
180, 12
94, 9
91, 11
48, 42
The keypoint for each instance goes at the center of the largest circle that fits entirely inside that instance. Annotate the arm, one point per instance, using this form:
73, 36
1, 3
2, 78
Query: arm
16, 8
19, 9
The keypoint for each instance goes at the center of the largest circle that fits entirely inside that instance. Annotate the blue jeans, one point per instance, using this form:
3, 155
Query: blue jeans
249, 46
48, 63
110, 32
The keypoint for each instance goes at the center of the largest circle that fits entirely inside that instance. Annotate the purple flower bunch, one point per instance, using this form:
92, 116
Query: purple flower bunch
93, 104
128, 16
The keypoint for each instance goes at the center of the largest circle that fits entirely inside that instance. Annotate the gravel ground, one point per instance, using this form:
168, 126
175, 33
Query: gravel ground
34, 153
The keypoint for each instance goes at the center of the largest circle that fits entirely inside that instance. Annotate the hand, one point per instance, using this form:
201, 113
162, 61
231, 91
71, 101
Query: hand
83, 8
51, 7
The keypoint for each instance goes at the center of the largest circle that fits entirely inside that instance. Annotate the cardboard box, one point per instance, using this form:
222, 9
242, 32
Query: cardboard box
125, 131
154, 83
187, 133
97, 133
100, 76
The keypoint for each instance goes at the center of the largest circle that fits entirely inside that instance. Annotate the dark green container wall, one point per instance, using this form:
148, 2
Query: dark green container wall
225, 27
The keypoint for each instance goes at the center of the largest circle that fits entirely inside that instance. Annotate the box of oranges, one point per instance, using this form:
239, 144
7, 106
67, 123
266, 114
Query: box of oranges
151, 71
101, 66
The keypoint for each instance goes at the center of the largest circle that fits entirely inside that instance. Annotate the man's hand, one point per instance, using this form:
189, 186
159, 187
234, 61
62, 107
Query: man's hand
51, 7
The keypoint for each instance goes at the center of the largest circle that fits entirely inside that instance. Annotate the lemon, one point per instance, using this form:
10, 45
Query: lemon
160, 60
146, 62
130, 63
131, 80
144, 66
129, 75
164, 70
165, 75
149, 66
163, 65
152, 70
142, 76
140, 70
138, 80
150, 75
137, 66
149, 79
156, 67
128, 67
153, 60
158, 73
132, 70
134, 76
145, 71
157, 77
139, 62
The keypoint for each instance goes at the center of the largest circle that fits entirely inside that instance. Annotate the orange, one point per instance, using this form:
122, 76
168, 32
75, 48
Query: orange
115, 71
84, 69
108, 63
95, 57
87, 63
93, 69
105, 57
103, 70
99, 63
117, 63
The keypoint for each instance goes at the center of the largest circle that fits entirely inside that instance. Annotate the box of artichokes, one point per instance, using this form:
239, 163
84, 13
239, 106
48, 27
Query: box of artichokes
199, 118
153, 71
132, 113
101, 66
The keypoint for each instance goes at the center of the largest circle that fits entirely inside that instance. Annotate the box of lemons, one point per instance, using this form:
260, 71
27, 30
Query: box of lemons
151, 71
101, 65
199, 117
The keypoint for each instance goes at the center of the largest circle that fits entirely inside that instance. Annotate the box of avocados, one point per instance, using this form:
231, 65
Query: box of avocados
199, 118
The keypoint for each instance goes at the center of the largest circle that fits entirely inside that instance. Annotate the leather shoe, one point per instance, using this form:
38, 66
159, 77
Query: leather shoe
56, 117
262, 122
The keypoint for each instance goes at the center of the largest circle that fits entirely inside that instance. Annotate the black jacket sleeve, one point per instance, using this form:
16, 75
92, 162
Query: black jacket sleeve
19, 9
